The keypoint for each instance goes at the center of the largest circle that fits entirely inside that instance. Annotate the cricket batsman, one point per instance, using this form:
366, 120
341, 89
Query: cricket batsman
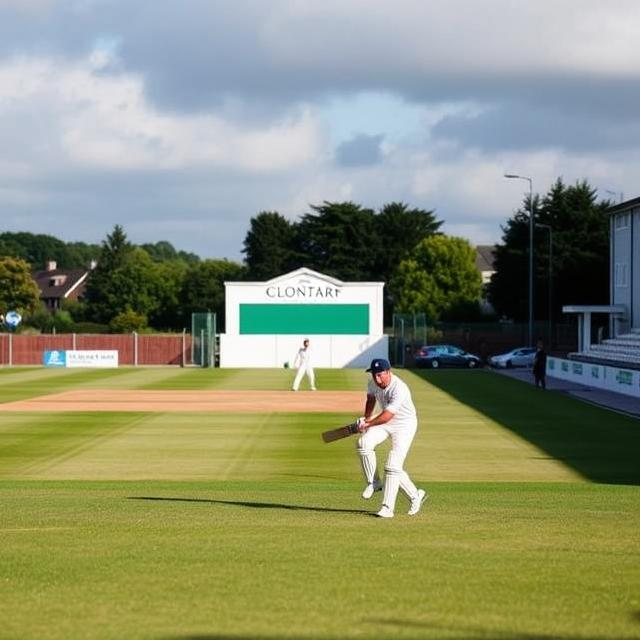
397, 420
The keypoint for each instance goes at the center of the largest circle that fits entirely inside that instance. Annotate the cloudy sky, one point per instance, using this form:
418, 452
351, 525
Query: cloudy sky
183, 119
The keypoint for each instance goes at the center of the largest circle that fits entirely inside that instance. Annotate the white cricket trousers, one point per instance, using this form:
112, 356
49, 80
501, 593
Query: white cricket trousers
302, 369
395, 477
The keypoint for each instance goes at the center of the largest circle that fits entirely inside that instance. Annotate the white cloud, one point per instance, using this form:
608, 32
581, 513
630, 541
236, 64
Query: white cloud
185, 121
105, 121
501, 36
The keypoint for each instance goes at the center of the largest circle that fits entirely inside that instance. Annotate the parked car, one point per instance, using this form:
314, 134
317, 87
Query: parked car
521, 357
445, 355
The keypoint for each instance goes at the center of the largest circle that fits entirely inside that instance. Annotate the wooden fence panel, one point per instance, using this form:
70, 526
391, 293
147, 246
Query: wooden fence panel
145, 349
29, 350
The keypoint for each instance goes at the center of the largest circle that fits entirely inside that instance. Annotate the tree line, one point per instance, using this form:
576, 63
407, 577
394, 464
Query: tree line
571, 253
136, 287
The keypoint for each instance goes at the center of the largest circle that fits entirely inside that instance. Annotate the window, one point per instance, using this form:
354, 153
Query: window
622, 221
622, 274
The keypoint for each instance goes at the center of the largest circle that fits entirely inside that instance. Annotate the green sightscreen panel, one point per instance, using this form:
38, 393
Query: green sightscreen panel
351, 319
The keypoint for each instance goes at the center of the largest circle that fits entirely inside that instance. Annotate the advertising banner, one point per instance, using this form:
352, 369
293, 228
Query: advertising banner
626, 381
92, 358
54, 358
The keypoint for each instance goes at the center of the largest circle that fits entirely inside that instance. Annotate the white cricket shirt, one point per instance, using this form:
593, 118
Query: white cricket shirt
304, 357
397, 399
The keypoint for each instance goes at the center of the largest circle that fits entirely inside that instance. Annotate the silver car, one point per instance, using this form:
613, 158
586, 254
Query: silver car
521, 357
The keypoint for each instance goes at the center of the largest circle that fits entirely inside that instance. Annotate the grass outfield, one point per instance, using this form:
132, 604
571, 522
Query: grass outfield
204, 526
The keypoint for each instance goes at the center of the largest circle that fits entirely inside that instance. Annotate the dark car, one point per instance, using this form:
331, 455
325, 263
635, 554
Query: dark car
445, 355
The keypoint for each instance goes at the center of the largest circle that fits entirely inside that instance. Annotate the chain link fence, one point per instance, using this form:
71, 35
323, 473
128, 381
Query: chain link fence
409, 332
204, 343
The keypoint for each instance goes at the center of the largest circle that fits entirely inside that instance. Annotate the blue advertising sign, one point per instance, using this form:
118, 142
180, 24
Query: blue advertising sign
12, 319
55, 359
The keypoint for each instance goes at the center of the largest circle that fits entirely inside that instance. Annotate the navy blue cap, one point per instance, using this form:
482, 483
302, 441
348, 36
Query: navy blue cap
378, 365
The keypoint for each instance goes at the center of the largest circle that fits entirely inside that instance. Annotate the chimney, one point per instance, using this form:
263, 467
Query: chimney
52, 265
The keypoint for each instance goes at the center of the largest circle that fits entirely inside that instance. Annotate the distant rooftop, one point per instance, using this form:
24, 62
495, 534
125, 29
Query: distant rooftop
485, 257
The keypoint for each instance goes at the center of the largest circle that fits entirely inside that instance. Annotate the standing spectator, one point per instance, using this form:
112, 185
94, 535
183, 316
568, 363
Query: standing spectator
303, 364
540, 366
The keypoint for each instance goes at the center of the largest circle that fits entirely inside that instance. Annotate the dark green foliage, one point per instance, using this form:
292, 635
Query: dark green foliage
400, 229
38, 249
80, 255
438, 278
339, 239
580, 269
127, 281
168, 277
203, 288
105, 284
127, 322
268, 246
77, 309
18, 290
342, 239
164, 251
48, 322
580, 246
90, 327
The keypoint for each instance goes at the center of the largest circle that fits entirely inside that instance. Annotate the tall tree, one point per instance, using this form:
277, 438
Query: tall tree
580, 234
508, 288
339, 239
439, 278
580, 248
114, 250
203, 288
268, 246
125, 278
18, 290
400, 229
169, 278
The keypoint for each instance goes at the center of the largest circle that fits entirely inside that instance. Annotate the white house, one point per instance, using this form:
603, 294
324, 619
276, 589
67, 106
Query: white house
625, 263
614, 363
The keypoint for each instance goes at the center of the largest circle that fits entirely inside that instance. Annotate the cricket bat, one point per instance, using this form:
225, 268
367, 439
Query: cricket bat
340, 432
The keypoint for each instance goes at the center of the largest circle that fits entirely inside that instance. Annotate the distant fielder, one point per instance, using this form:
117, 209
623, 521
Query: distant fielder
303, 363
397, 420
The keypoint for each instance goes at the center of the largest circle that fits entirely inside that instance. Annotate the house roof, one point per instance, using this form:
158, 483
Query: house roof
624, 206
304, 272
485, 257
59, 283
303, 275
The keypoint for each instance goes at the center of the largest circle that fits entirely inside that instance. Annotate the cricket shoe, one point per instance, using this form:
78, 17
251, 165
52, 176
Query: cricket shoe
370, 489
385, 512
417, 502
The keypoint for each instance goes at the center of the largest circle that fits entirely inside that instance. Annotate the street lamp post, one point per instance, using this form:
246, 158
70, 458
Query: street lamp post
550, 230
531, 223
